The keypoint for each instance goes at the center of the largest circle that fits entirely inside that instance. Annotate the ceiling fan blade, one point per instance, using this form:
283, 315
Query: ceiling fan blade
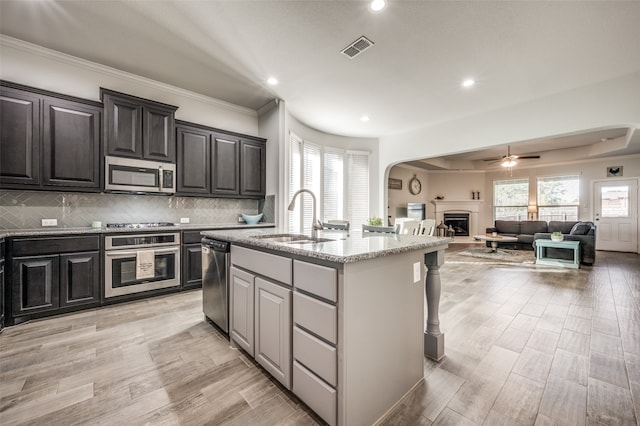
528, 156
492, 159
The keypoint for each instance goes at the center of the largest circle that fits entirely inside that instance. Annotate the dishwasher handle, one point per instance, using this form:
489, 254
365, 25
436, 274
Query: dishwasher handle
216, 245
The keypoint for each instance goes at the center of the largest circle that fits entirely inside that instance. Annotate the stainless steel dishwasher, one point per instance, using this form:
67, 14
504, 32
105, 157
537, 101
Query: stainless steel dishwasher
215, 281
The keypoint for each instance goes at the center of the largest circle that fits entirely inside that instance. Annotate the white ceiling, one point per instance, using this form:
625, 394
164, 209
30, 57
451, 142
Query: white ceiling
516, 50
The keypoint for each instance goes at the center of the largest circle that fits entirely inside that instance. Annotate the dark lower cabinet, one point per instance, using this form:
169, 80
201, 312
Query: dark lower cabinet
51, 275
35, 285
79, 278
192, 266
2, 287
191, 260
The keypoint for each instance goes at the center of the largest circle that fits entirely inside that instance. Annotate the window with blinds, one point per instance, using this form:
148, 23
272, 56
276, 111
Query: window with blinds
339, 178
358, 189
558, 198
510, 199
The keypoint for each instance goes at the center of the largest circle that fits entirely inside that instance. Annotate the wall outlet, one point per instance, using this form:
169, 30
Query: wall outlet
184, 220
240, 220
49, 222
416, 272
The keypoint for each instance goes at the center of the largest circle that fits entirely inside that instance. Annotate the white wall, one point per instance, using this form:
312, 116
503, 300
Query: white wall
613, 103
271, 125
344, 142
457, 186
35, 66
400, 198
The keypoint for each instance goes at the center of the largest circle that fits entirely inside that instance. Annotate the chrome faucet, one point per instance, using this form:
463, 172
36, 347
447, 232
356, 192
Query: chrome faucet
315, 224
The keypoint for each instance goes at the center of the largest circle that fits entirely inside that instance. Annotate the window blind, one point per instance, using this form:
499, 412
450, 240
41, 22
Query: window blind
333, 185
311, 180
358, 188
340, 180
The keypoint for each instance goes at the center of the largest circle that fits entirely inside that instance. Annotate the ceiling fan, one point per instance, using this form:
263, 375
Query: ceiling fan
510, 160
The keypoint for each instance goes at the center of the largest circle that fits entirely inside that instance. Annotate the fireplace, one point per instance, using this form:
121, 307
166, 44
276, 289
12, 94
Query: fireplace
459, 222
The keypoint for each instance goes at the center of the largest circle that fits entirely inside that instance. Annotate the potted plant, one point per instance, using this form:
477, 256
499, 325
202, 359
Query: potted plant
375, 221
556, 236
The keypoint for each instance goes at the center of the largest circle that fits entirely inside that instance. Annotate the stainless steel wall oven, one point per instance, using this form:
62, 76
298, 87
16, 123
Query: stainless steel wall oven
127, 256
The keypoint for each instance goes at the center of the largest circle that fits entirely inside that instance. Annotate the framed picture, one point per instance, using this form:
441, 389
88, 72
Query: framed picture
614, 171
395, 183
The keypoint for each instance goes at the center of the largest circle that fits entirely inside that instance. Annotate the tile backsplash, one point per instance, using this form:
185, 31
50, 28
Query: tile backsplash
26, 209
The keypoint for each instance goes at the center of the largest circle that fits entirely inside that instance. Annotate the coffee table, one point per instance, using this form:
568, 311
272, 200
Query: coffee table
541, 253
495, 240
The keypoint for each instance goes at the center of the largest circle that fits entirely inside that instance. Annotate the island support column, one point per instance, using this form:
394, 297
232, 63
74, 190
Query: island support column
433, 338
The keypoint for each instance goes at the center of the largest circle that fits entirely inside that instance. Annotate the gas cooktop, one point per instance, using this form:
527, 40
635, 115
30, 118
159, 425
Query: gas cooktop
139, 225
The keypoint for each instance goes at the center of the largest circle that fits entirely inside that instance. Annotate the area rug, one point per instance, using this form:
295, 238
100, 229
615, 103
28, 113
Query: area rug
502, 255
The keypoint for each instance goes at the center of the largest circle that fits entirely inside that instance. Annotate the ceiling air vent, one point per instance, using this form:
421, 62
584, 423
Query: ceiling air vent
357, 47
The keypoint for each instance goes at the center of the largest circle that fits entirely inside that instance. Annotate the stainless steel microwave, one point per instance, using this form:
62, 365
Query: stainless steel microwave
131, 175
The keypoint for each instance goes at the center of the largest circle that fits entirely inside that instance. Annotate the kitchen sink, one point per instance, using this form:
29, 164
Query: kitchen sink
292, 239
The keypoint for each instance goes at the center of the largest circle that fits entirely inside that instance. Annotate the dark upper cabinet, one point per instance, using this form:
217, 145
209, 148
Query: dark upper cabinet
158, 142
49, 141
138, 128
252, 168
19, 137
193, 165
123, 126
215, 163
225, 165
71, 144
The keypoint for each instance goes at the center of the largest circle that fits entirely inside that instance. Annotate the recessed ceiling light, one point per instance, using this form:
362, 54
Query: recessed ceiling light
272, 81
364, 118
468, 82
377, 5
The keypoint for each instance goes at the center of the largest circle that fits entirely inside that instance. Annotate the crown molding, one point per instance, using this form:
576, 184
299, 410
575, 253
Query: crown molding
114, 72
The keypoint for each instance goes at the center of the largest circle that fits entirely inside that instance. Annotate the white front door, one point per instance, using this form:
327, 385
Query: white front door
616, 215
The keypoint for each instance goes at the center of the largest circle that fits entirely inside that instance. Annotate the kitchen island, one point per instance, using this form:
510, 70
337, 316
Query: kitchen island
340, 320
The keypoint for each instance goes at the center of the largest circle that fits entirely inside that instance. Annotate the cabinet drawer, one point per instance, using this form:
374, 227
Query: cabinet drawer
321, 397
316, 355
191, 237
269, 265
315, 279
36, 246
318, 317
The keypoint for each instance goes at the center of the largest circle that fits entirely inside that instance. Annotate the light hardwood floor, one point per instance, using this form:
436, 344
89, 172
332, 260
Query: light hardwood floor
524, 345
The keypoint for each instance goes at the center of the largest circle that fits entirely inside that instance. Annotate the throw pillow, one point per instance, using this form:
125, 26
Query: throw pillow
580, 228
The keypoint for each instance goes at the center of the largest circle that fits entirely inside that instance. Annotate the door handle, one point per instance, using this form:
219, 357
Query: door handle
133, 253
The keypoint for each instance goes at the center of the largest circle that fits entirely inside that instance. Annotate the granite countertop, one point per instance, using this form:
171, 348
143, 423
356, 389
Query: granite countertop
55, 231
345, 247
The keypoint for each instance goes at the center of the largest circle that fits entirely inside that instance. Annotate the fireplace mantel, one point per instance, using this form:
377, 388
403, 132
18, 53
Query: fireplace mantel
467, 205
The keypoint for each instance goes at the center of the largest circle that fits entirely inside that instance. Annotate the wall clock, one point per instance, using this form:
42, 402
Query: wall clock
415, 186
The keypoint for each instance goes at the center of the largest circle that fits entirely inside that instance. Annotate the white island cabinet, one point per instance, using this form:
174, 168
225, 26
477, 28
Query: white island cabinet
260, 309
340, 323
